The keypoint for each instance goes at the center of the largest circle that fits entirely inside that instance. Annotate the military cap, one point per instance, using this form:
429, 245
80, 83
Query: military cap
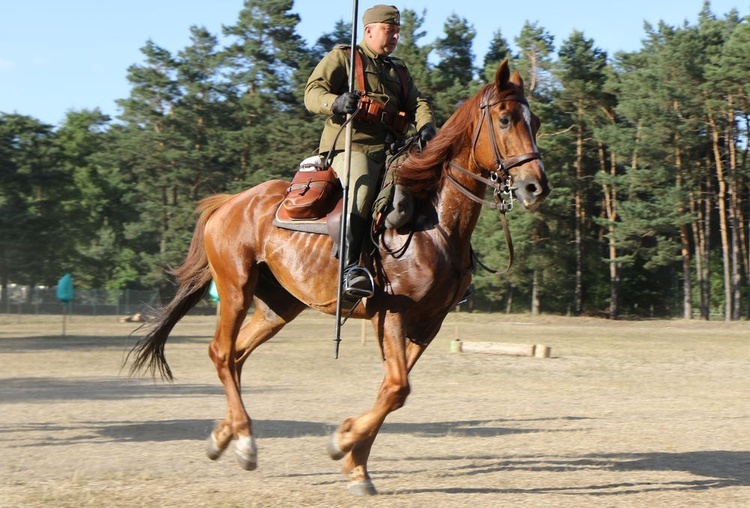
382, 14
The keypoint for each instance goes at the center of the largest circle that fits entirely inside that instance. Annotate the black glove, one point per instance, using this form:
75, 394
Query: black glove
346, 103
426, 133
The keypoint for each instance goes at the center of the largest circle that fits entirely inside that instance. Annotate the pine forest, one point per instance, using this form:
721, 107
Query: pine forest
647, 154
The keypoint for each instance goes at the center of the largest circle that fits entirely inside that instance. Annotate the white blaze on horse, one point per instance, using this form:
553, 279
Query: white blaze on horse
488, 142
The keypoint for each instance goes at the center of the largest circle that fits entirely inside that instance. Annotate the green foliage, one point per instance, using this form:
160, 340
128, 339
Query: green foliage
36, 226
497, 52
456, 59
411, 51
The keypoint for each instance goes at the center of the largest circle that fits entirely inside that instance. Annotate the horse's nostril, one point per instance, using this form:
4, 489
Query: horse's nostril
533, 189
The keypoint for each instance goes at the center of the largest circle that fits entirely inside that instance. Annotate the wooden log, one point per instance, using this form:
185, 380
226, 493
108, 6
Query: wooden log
542, 351
498, 348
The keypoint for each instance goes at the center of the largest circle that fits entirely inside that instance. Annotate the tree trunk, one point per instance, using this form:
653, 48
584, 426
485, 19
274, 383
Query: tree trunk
721, 197
535, 293
698, 248
4, 293
687, 283
734, 212
509, 301
579, 214
706, 246
610, 208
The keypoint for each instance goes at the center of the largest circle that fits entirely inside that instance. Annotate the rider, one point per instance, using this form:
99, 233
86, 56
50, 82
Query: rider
396, 102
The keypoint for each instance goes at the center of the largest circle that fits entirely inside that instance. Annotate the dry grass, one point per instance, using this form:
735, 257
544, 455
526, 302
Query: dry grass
651, 413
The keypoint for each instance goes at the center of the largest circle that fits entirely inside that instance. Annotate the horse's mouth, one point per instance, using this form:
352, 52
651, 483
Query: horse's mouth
532, 194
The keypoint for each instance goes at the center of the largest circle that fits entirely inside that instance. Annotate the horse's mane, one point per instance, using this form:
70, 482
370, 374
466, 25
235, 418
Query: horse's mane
421, 173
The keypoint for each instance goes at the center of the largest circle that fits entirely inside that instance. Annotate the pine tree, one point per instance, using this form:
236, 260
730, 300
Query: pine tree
581, 72
498, 51
727, 101
412, 53
97, 201
719, 110
268, 66
452, 80
341, 34
36, 240
536, 48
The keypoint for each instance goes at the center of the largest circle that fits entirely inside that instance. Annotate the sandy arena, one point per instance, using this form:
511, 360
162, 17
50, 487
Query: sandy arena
648, 414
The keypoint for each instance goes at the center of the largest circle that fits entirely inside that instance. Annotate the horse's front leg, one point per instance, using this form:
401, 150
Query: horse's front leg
354, 438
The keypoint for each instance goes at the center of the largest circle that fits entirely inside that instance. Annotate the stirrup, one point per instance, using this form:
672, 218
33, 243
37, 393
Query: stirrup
358, 282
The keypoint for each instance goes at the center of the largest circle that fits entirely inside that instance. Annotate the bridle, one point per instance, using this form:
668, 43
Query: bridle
500, 179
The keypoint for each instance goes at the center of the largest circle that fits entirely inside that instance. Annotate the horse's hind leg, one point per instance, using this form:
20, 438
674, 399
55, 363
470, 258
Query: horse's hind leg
262, 325
234, 296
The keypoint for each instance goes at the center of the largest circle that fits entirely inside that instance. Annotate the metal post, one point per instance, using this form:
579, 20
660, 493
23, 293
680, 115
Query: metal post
345, 198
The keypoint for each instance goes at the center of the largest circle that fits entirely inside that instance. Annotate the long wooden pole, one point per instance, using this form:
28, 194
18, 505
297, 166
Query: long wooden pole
345, 199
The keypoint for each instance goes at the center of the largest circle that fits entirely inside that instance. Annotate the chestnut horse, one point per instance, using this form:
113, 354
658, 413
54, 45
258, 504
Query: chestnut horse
488, 141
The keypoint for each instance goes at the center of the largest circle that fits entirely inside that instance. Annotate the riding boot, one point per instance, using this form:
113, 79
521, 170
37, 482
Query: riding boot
358, 281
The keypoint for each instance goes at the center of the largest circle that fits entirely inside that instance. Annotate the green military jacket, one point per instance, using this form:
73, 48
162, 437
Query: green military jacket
331, 78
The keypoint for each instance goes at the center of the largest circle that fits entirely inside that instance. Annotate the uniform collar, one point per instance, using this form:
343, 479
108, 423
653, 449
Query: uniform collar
367, 50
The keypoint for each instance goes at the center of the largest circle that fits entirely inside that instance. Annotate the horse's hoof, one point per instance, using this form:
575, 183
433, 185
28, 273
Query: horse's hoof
362, 488
213, 450
246, 453
334, 451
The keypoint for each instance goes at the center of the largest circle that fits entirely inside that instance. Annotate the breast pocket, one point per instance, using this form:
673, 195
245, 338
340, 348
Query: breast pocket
394, 85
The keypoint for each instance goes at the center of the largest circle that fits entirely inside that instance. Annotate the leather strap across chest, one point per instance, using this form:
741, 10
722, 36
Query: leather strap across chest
373, 111
359, 71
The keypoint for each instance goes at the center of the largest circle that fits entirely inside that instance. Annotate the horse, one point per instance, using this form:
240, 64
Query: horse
489, 141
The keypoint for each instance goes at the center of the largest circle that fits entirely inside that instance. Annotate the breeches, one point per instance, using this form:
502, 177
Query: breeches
364, 176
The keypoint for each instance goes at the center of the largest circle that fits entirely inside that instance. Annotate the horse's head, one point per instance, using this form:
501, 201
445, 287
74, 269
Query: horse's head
505, 138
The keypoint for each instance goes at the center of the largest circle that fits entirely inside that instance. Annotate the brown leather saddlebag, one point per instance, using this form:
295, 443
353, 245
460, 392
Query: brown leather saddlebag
310, 194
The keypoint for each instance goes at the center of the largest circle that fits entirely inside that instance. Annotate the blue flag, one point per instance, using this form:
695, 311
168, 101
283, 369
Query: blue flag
65, 291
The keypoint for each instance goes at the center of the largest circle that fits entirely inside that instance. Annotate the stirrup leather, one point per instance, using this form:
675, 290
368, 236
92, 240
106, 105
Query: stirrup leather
358, 282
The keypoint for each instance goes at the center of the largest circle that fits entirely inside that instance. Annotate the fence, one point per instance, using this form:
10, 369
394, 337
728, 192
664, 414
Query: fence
90, 302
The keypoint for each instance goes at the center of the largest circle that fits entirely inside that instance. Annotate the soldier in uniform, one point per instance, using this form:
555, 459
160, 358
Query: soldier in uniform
386, 102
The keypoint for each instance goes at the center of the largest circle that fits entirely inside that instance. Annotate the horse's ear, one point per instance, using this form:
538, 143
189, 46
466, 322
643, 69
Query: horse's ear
516, 79
502, 75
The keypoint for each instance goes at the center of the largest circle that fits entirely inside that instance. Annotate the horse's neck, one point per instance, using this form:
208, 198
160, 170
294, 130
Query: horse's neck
457, 214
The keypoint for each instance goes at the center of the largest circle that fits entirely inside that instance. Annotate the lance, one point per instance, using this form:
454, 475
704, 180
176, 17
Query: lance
345, 198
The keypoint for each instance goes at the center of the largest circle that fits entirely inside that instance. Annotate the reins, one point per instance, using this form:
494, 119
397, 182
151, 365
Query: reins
500, 179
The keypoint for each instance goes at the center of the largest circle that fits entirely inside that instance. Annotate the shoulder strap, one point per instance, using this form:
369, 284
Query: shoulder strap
359, 70
403, 78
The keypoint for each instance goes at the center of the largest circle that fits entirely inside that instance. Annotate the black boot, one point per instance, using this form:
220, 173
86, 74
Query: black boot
358, 282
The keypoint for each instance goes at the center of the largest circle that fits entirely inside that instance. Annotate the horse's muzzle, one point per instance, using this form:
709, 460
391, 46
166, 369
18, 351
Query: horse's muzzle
532, 191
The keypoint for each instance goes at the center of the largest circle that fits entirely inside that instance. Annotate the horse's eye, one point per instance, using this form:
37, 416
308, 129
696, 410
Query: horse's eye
504, 121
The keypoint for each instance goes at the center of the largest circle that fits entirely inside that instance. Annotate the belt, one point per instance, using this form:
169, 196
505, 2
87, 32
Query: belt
374, 112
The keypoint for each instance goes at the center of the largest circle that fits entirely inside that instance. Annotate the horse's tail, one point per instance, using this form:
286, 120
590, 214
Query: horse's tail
193, 279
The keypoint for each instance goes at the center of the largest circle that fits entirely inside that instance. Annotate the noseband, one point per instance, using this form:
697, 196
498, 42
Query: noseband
499, 179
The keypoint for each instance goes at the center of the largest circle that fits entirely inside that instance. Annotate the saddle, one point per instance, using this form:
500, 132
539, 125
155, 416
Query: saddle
314, 200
